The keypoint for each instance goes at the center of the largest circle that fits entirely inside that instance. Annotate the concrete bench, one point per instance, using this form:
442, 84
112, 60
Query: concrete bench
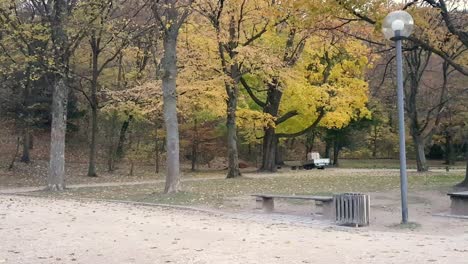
459, 204
266, 202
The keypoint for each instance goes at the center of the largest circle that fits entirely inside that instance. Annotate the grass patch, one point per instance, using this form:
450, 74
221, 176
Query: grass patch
409, 225
215, 192
393, 164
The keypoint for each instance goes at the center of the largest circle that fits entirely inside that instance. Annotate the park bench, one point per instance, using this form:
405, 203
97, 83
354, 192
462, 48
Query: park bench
266, 202
459, 204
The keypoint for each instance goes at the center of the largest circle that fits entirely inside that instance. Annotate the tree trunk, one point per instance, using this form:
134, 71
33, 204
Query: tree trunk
169, 76
92, 144
12, 163
279, 154
31, 141
464, 183
270, 140
110, 143
269, 150
309, 142
194, 146
421, 162
123, 132
156, 150
233, 154
94, 107
327, 148
449, 151
374, 142
56, 178
336, 152
26, 146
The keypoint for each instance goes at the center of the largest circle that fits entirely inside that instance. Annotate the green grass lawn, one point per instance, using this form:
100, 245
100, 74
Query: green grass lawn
393, 164
215, 192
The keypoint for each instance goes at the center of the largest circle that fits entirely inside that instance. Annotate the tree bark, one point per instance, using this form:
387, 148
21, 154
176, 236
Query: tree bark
374, 142
336, 152
156, 150
194, 146
92, 144
449, 151
328, 147
279, 154
233, 153
417, 61
94, 107
464, 183
421, 162
26, 146
56, 178
169, 76
269, 150
110, 143
12, 163
270, 140
123, 132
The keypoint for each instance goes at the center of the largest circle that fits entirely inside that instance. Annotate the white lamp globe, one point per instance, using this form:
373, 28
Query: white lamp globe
398, 25
397, 21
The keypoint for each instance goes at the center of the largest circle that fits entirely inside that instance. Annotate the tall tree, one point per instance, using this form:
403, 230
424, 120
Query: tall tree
238, 25
171, 14
113, 29
59, 37
309, 90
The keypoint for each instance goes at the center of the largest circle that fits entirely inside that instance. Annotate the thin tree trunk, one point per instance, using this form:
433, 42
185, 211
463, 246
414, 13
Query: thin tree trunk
31, 141
94, 108
374, 142
327, 148
169, 76
110, 143
194, 146
92, 145
123, 132
56, 179
156, 150
12, 163
421, 162
449, 151
26, 146
336, 152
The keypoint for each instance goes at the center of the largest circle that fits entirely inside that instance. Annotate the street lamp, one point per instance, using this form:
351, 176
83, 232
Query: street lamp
396, 25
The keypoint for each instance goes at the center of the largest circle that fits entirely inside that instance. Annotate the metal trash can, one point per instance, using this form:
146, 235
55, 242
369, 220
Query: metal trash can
352, 209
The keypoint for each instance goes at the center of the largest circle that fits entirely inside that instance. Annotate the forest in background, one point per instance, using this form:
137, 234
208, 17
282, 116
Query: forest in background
247, 82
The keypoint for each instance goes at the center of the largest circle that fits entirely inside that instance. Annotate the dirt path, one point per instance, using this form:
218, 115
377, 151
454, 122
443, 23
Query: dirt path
38, 230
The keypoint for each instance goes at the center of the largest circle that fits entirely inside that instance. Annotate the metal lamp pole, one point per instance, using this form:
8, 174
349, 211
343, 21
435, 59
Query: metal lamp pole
395, 26
401, 128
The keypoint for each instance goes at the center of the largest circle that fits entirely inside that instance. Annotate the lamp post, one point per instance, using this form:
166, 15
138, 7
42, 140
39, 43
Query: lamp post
396, 25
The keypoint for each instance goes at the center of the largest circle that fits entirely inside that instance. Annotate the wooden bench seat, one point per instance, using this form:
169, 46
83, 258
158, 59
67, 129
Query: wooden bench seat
459, 204
266, 202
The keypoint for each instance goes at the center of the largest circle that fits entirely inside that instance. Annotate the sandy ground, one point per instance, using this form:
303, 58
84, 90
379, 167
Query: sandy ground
385, 215
39, 230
